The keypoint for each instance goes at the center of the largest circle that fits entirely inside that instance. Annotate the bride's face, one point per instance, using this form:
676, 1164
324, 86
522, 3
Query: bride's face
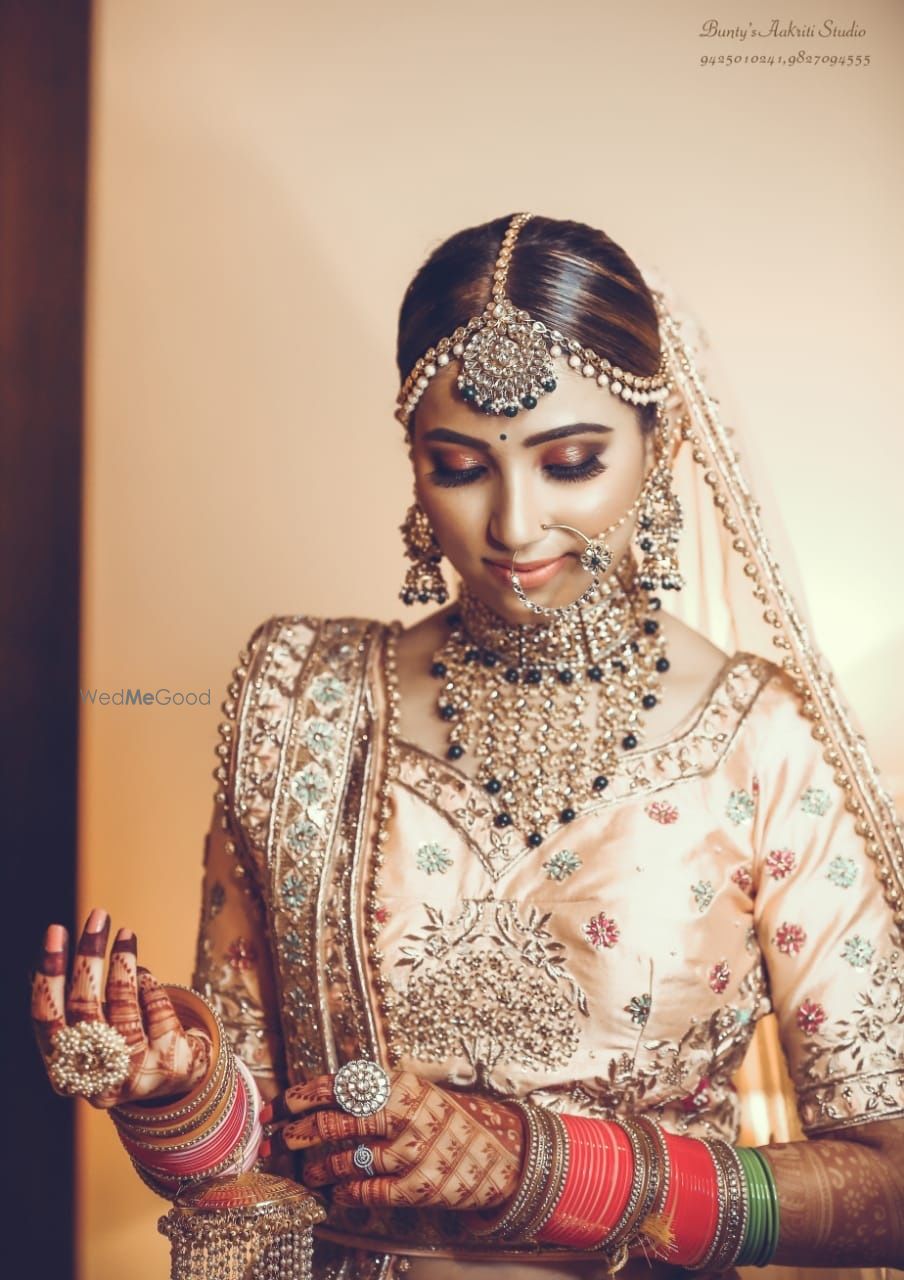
489, 484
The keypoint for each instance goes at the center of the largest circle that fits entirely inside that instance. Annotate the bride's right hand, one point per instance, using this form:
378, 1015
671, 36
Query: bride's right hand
165, 1059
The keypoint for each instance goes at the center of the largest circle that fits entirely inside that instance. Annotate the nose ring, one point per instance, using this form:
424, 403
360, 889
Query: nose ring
595, 559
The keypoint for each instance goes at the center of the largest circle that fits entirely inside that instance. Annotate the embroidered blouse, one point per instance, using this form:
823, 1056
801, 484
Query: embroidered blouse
619, 967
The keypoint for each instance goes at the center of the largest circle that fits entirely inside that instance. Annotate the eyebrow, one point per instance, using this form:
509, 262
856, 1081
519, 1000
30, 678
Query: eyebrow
445, 436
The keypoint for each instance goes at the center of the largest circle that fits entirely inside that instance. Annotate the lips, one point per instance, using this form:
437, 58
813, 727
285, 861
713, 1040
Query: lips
524, 566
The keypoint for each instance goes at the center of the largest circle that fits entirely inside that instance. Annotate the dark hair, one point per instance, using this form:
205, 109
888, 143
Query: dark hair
567, 274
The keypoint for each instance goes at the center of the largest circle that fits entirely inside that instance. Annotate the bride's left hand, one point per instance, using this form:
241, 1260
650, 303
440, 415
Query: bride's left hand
430, 1146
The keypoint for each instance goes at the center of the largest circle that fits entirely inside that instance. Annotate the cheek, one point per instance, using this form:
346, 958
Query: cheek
457, 516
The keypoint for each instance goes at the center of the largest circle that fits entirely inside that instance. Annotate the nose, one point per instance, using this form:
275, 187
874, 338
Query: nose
516, 519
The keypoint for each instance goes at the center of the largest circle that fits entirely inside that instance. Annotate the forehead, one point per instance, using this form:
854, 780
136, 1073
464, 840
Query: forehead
575, 399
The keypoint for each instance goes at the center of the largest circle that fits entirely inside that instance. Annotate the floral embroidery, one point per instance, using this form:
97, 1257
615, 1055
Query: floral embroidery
858, 951
720, 976
301, 835
294, 891
241, 954
698, 1100
291, 946
639, 1008
743, 878
740, 807
842, 871
433, 859
816, 801
662, 812
601, 931
780, 863
852, 1066
562, 864
488, 985
381, 915
318, 736
704, 893
309, 785
810, 1017
327, 690
789, 938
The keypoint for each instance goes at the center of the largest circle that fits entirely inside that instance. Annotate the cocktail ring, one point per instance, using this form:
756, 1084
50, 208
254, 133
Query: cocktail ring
88, 1059
361, 1087
363, 1158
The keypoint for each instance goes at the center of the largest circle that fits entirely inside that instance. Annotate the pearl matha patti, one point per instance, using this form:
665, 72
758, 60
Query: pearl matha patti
508, 359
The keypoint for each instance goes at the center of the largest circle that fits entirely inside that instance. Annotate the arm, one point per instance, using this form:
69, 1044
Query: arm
232, 966
836, 978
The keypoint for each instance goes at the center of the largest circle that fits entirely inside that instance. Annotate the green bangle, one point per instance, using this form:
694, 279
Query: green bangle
771, 1243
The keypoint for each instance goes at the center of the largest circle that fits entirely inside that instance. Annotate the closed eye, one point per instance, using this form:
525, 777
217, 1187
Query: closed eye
450, 477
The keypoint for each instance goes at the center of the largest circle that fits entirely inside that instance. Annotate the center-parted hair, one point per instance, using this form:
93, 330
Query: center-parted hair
567, 274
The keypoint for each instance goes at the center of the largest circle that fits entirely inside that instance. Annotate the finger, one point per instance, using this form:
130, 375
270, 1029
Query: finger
325, 1126
84, 1002
372, 1191
320, 1171
121, 1007
160, 1018
299, 1098
48, 990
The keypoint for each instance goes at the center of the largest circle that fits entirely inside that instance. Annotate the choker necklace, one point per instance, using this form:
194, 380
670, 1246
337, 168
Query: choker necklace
516, 698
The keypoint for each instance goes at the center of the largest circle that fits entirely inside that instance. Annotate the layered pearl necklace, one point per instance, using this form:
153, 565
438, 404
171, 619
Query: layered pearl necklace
516, 698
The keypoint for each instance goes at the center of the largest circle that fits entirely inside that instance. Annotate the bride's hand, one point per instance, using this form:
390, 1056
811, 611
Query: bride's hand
430, 1146
164, 1058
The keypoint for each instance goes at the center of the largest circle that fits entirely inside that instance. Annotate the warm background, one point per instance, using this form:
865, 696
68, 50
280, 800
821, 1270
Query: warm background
264, 179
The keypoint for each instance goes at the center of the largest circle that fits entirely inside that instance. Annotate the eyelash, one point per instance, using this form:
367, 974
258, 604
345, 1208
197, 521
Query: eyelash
447, 478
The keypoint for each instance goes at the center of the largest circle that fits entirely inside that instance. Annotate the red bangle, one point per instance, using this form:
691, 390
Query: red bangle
203, 1155
600, 1172
692, 1206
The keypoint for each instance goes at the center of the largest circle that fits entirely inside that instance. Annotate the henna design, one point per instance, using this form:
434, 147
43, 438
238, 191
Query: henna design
165, 1058
48, 992
439, 1147
842, 1200
84, 1002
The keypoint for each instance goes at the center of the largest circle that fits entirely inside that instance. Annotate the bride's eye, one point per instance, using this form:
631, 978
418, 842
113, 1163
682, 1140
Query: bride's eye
585, 470
457, 469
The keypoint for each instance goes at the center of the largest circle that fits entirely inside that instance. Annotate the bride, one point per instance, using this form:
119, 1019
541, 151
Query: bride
493, 903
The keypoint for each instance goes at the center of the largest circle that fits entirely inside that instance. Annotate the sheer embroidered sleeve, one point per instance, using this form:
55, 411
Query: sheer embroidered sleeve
233, 967
832, 950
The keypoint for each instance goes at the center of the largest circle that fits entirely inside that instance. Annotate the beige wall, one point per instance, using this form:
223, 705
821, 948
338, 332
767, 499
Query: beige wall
265, 178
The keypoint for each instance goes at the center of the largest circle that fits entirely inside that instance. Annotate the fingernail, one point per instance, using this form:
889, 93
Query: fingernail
96, 921
55, 938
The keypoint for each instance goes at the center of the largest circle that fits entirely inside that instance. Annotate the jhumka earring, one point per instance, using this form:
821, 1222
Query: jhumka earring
424, 579
659, 522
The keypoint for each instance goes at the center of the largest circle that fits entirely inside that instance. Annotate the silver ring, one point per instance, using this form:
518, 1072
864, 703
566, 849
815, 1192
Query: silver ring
361, 1087
363, 1158
595, 559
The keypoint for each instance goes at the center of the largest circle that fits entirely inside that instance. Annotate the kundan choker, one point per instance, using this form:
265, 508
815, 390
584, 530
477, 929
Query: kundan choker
548, 710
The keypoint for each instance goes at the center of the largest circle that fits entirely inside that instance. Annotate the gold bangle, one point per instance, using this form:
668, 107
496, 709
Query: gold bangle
136, 1132
733, 1221
533, 1157
196, 1013
545, 1208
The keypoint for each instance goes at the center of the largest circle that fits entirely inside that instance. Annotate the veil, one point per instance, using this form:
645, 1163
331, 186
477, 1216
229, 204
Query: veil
744, 592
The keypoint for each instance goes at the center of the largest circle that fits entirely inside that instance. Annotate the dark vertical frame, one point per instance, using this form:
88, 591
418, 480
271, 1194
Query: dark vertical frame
44, 97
